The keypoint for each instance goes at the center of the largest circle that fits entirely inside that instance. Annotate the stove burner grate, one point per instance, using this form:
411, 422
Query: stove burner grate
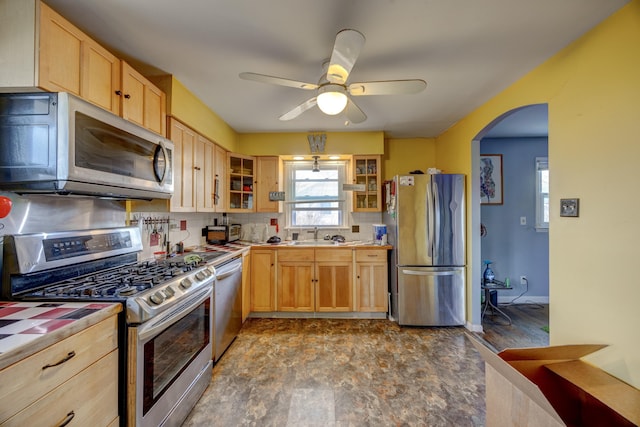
119, 282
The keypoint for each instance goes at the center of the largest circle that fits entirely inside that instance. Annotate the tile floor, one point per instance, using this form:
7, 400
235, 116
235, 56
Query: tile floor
324, 372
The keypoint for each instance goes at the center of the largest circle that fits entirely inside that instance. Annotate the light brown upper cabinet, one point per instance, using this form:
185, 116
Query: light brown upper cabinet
240, 182
220, 179
194, 162
268, 180
184, 167
142, 102
366, 172
43, 50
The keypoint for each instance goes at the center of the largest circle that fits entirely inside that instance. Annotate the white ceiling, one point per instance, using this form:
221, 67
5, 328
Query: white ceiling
466, 50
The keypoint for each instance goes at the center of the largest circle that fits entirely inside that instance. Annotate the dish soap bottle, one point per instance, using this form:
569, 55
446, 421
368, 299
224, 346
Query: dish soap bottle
488, 275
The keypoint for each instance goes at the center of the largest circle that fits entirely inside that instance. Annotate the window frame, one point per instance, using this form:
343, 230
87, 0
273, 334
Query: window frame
542, 198
342, 166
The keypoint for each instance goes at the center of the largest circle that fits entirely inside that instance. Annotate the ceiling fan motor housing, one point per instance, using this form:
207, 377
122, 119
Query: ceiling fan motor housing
332, 98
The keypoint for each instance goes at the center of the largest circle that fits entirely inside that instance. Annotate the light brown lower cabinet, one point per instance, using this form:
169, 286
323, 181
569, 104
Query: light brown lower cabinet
326, 279
315, 280
334, 280
37, 391
263, 282
246, 285
295, 280
371, 280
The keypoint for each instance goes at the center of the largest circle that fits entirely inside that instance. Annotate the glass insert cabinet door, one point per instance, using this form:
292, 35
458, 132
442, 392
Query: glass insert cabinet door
241, 182
366, 172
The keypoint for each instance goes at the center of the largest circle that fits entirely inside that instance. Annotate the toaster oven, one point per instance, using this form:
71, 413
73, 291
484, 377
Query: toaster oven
220, 234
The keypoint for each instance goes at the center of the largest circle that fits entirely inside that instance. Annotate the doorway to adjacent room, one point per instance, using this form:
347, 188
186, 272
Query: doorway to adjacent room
507, 229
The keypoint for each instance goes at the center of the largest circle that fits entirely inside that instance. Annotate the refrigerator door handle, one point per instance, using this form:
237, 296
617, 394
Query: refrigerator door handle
437, 213
428, 273
430, 222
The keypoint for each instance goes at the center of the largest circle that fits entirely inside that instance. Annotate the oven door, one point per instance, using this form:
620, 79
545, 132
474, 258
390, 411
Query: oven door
170, 362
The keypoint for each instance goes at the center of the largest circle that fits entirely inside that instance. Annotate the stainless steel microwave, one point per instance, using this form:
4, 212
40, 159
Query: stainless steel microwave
57, 143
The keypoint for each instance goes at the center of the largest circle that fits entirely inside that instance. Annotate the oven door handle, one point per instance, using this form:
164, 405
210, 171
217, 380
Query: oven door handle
174, 314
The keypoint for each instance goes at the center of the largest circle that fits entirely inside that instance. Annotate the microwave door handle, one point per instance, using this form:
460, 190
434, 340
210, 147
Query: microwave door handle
165, 155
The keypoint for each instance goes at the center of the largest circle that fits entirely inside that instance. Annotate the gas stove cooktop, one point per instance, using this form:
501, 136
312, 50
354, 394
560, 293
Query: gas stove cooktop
101, 265
120, 282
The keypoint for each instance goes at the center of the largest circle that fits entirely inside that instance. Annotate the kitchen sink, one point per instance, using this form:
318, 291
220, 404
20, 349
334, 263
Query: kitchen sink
315, 243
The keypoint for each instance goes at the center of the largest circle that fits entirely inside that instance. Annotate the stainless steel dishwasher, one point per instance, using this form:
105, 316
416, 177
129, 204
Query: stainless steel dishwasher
228, 304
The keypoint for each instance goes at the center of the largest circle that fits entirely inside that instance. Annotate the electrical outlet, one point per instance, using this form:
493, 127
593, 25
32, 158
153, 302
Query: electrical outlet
355, 228
523, 220
523, 280
274, 221
183, 224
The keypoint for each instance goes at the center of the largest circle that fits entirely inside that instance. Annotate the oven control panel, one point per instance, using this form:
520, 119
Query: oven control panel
163, 297
67, 247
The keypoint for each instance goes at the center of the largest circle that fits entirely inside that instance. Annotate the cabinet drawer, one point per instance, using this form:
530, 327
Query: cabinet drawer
91, 397
371, 255
332, 254
295, 254
25, 381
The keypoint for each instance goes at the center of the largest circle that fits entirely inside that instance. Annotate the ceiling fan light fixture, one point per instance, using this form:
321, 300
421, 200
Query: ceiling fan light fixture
332, 99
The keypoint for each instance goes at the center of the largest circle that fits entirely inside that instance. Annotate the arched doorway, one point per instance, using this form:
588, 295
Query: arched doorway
518, 137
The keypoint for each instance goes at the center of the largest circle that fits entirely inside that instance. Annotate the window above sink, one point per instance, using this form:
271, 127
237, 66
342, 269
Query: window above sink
314, 193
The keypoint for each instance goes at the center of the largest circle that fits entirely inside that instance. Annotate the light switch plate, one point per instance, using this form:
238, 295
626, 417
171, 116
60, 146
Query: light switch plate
569, 207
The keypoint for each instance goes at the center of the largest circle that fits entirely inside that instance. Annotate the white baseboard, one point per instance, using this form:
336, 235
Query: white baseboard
507, 299
473, 327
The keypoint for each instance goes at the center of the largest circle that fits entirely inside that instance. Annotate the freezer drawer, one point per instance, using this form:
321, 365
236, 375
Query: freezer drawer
431, 296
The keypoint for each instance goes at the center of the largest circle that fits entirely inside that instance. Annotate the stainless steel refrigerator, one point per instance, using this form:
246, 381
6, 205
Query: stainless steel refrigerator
425, 220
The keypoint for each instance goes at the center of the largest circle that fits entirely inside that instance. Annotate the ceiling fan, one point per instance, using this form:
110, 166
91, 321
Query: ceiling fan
333, 94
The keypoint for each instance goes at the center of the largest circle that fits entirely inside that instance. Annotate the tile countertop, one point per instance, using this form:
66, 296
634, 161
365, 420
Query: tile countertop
238, 247
241, 246
28, 327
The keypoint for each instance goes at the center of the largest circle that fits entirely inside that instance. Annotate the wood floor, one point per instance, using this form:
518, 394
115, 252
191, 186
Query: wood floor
525, 330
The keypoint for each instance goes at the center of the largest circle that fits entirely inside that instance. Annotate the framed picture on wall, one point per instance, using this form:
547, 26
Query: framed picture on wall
491, 179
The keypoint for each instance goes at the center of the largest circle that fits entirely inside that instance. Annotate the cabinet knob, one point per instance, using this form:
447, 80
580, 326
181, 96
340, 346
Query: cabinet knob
127, 96
119, 92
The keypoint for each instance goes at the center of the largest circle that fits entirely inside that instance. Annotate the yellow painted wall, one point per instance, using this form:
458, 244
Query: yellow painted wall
189, 109
404, 155
592, 88
265, 144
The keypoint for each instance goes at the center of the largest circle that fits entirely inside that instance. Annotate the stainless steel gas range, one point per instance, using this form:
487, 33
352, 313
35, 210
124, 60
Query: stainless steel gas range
166, 329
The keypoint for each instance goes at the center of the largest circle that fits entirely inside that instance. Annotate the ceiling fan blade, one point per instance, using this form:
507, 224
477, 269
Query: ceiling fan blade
354, 113
310, 103
263, 78
389, 87
345, 52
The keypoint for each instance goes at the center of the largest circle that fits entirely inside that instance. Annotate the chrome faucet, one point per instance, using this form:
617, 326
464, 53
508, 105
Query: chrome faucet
315, 233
